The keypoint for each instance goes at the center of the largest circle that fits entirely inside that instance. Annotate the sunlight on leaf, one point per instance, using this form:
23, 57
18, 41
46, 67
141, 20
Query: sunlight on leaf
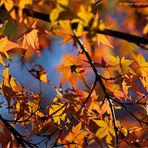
57, 110
71, 68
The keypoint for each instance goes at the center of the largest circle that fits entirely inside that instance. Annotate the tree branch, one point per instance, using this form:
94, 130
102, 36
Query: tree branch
98, 79
140, 41
19, 138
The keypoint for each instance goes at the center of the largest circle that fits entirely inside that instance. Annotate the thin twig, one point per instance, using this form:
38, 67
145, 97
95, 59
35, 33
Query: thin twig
19, 138
123, 105
98, 79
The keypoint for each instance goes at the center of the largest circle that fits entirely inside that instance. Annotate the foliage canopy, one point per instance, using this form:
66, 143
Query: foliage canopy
101, 98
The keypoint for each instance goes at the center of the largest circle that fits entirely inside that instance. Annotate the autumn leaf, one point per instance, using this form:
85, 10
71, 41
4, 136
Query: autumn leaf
140, 66
116, 90
125, 88
83, 18
31, 40
40, 73
72, 69
9, 5
102, 39
85, 15
26, 110
10, 88
56, 12
76, 136
22, 4
106, 130
57, 111
5, 46
122, 65
65, 32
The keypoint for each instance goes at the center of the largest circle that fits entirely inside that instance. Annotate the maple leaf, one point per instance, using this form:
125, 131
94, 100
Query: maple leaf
9, 4
10, 88
6, 45
65, 32
56, 13
106, 130
93, 105
22, 4
116, 90
140, 66
85, 15
121, 65
57, 111
102, 39
40, 74
125, 88
76, 136
72, 69
26, 110
31, 40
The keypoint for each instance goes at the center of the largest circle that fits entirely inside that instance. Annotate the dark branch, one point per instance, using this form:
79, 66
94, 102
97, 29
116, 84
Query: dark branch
98, 79
19, 138
140, 41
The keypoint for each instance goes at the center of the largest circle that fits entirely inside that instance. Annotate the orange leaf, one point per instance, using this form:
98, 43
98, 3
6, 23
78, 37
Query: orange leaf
6, 45
65, 32
72, 69
77, 135
31, 40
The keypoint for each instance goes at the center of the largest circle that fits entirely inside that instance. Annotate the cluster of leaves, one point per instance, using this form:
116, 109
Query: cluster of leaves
102, 85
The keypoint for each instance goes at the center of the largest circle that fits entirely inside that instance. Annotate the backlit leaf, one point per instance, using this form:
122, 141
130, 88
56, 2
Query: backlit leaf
6, 45
57, 111
102, 39
39, 73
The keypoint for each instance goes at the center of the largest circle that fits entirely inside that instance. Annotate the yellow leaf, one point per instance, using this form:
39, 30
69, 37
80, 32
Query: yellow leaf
65, 31
79, 30
109, 139
3, 43
141, 66
101, 38
10, 88
65, 24
145, 30
57, 111
121, 64
101, 123
106, 130
63, 2
101, 26
54, 15
77, 136
101, 133
9, 4
85, 14
23, 3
